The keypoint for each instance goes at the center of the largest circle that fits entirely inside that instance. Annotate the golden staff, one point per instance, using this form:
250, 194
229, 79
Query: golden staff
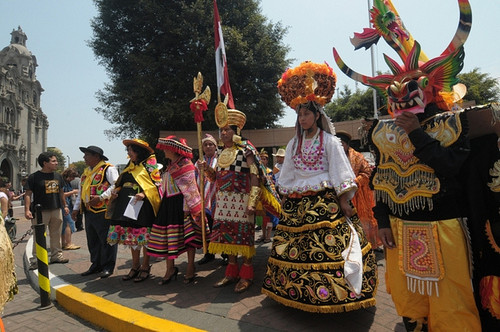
199, 104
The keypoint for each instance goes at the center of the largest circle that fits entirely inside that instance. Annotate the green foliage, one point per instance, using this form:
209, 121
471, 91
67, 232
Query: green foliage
351, 106
152, 49
481, 87
61, 160
79, 166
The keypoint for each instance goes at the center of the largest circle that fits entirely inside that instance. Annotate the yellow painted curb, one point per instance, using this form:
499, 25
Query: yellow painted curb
112, 316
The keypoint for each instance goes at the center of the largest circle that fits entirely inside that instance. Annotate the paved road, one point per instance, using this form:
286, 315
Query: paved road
197, 305
23, 313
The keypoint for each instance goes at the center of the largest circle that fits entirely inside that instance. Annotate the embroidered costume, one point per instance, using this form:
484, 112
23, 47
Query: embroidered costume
8, 279
135, 178
241, 183
320, 260
178, 225
97, 181
363, 200
233, 232
264, 219
417, 190
481, 177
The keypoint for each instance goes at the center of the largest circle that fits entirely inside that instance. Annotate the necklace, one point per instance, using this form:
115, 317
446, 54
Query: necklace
312, 155
227, 157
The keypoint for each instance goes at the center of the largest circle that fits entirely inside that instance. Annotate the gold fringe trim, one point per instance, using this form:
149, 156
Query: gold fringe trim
270, 200
491, 238
231, 249
324, 309
314, 266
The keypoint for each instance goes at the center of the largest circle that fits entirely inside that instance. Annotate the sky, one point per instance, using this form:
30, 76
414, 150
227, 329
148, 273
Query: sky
58, 32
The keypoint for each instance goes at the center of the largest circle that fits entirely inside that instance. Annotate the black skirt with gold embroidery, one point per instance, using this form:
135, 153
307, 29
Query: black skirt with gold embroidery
306, 268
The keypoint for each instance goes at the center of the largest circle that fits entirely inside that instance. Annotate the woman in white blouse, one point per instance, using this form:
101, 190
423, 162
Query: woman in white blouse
320, 259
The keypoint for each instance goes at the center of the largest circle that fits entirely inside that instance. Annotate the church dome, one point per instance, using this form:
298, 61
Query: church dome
22, 50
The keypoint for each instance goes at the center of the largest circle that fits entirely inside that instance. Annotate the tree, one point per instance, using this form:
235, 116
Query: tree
351, 106
79, 166
481, 87
152, 49
61, 160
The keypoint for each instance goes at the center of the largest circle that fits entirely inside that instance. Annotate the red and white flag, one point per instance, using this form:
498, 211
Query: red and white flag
223, 86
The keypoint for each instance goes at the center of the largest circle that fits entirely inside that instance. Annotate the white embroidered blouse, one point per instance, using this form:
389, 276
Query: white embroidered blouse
320, 164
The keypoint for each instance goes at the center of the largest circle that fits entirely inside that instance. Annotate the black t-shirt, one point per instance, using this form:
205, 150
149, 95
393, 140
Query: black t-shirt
46, 189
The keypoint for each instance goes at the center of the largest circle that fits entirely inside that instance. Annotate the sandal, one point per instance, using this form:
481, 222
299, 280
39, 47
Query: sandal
132, 274
242, 285
225, 281
143, 274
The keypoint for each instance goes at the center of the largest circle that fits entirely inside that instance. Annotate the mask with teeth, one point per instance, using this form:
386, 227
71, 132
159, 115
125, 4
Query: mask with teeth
417, 82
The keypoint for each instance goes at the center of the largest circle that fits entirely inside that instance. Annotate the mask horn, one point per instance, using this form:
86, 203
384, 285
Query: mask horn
348, 71
464, 26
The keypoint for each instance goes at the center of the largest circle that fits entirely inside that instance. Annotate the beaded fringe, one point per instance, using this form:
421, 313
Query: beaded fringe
424, 287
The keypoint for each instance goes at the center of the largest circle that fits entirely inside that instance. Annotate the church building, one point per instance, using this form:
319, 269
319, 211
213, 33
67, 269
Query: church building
23, 125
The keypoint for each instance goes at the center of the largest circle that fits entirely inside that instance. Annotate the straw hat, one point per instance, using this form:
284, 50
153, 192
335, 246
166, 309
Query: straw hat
280, 153
138, 142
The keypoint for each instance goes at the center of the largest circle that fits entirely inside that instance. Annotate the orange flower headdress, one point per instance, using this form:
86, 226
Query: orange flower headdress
307, 82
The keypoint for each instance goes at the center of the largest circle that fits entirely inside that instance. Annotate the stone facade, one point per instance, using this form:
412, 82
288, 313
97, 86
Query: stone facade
23, 125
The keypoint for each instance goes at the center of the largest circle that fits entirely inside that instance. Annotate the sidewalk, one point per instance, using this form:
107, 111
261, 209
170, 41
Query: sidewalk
124, 305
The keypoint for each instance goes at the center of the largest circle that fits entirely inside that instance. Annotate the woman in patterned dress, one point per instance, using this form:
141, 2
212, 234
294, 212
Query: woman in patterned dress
320, 259
139, 181
178, 226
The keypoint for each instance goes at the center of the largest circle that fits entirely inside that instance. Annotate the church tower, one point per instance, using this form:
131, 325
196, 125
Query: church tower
23, 125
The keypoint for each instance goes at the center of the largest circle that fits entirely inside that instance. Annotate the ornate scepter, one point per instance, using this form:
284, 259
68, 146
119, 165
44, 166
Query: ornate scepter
199, 104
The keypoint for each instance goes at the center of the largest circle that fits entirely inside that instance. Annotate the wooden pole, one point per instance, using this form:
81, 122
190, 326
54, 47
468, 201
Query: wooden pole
202, 190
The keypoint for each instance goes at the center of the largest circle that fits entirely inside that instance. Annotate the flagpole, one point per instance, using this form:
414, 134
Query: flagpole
372, 52
223, 86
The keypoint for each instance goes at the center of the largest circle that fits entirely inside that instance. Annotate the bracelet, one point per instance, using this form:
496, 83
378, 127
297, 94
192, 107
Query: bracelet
210, 173
254, 169
254, 196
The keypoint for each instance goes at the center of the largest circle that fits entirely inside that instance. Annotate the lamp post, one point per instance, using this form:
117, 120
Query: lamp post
69, 160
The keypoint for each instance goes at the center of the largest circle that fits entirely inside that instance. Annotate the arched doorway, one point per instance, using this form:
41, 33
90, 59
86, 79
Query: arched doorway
6, 170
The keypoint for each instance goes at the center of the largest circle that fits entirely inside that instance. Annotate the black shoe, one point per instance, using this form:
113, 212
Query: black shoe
164, 281
90, 271
80, 229
206, 259
225, 259
104, 274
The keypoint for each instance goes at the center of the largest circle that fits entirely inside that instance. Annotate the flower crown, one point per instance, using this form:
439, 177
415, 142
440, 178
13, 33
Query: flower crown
307, 82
